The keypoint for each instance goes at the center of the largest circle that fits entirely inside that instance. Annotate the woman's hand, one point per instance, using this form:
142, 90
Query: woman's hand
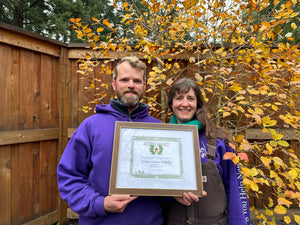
117, 203
188, 198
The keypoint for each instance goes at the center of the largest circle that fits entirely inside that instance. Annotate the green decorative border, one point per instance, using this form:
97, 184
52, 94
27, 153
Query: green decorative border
156, 139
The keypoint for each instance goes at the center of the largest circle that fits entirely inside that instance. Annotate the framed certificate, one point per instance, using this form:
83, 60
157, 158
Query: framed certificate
154, 159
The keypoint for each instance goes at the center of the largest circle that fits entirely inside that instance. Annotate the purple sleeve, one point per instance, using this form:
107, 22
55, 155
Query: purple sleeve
72, 176
238, 206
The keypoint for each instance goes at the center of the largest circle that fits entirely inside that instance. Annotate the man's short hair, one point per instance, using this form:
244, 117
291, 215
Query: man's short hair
134, 62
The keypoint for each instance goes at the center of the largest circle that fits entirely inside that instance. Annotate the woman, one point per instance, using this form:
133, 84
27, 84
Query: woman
226, 200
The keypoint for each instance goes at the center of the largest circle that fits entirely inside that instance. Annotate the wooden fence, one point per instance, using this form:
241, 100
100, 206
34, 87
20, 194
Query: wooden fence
40, 92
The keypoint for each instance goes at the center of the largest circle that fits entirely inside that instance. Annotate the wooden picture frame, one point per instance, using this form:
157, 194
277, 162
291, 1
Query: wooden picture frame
154, 159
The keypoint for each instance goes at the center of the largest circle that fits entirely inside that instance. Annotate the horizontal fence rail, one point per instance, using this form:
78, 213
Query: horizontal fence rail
25, 136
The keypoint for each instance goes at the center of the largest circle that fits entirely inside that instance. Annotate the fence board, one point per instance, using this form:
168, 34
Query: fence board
26, 182
15, 185
64, 109
14, 98
48, 184
5, 189
4, 82
53, 191
74, 90
44, 190
26, 89
45, 93
36, 179
35, 92
53, 120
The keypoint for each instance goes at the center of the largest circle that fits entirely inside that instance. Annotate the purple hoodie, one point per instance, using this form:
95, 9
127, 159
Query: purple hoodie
238, 206
83, 172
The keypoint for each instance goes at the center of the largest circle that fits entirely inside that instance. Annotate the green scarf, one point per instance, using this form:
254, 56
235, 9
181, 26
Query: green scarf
191, 122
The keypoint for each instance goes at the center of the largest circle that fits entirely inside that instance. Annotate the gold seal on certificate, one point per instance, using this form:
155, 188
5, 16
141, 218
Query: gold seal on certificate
155, 160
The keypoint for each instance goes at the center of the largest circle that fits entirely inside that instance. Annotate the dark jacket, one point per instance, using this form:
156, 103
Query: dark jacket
226, 201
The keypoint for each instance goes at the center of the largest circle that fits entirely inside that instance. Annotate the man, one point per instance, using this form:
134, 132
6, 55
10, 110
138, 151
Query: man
83, 172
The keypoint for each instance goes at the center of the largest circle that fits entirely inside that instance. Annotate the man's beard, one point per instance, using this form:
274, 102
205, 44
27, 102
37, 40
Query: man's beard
129, 101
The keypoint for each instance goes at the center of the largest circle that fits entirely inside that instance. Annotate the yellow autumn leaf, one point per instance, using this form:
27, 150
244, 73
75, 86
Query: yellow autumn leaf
259, 111
246, 171
254, 186
287, 219
104, 85
288, 4
272, 123
297, 218
209, 90
271, 203
275, 107
283, 143
293, 174
87, 57
269, 148
283, 201
205, 50
176, 65
254, 172
163, 77
107, 23
100, 29
239, 138
235, 88
253, 91
223, 54
273, 174
266, 119
236, 160
273, 143
279, 209
268, 212
277, 136
266, 161
225, 114
220, 50
278, 161
168, 66
294, 14
282, 96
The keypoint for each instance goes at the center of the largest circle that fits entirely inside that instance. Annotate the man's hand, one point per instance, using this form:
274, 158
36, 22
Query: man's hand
117, 203
188, 198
